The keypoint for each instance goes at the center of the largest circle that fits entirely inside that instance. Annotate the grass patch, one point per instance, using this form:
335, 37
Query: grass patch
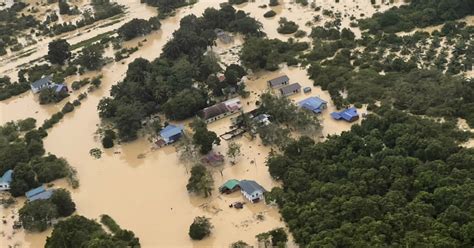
91, 40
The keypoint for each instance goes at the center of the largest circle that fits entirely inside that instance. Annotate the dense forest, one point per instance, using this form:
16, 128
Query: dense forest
396, 180
419, 13
166, 84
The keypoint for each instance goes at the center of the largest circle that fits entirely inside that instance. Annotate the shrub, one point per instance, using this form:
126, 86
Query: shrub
200, 228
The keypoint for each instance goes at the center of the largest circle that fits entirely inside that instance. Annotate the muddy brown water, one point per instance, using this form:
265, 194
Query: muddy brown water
145, 190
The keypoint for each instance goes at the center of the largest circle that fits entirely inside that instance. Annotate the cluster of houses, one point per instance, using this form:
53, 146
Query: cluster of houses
313, 104
250, 189
39, 193
48, 83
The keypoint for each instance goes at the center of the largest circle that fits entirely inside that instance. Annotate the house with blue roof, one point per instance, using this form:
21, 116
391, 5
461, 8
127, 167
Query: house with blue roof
5, 180
42, 83
252, 190
169, 135
40, 193
313, 104
348, 115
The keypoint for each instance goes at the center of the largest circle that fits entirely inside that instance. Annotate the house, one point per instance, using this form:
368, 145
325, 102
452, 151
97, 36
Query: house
43, 83
251, 190
313, 104
290, 89
213, 158
61, 88
220, 110
40, 193
223, 36
278, 82
170, 134
348, 115
307, 89
5, 180
230, 186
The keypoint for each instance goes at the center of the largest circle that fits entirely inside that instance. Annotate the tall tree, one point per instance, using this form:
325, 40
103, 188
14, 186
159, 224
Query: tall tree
58, 51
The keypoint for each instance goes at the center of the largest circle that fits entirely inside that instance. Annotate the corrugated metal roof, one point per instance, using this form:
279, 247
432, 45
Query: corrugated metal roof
170, 131
312, 103
290, 89
7, 177
43, 81
278, 81
41, 196
230, 184
250, 186
35, 191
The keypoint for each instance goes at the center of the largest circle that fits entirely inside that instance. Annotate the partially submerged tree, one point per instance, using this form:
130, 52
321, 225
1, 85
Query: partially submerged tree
203, 138
58, 51
200, 228
200, 181
233, 151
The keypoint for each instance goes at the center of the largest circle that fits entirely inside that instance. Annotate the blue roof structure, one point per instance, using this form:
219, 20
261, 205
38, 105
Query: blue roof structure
250, 186
349, 114
170, 131
41, 82
7, 177
35, 191
314, 104
41, 196
59, 87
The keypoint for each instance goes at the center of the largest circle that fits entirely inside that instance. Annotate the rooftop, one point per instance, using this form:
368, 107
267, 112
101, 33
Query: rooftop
220, 108
250, 186
39, 83
7, 177
170, 131
347, 114
312, 103
290, 88
41, 196
230, 184
278, 81
35, 191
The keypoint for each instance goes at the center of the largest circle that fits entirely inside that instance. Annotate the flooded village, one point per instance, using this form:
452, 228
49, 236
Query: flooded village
142, 184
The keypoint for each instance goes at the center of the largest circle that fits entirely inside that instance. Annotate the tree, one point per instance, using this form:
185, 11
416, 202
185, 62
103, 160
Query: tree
27, 124
203, 138
134, 28
233, 151
24, 179
277, 237
91, 57
64, 8
240, 244
273, 3
37, 215
185, 104
61, 198
200, 228
58, 51
200, 181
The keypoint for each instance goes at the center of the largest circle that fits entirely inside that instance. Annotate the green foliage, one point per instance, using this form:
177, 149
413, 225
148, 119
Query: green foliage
419, 13
287, 27
200, 181
185, 104
91, 57
203, 138
277, 237
37, 215
83, 232
61, 198
273, 3
258, 53
269, 14
237, 2
381, 184
240, 244
49, 95
9, 89
108, 139
200, 228
58, 51
49, 168
64, 8
27, 124
134, 28
233, 150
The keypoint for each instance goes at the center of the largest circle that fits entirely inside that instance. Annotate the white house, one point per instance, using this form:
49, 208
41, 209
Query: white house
43, 83
251, 190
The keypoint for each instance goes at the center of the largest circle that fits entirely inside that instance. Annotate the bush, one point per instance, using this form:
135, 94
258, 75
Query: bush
200, 228
269, 14
287, 27
61, 198
68, 107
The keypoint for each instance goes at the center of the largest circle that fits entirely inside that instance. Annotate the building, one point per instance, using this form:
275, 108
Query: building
43, 83
307, 89
223, 36
220, 110
262, 119
40, 193
230, 186
290, 89
5, 180
251, 190
348, 115
60, 88
213, 159
313, 104
278, 82
171, 134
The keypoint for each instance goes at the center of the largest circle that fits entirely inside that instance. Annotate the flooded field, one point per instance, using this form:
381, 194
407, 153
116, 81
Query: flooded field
144, 190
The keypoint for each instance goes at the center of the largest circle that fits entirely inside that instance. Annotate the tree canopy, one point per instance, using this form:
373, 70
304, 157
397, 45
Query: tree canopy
395, 180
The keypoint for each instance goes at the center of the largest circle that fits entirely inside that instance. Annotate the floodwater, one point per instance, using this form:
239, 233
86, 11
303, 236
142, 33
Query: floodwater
144, 190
